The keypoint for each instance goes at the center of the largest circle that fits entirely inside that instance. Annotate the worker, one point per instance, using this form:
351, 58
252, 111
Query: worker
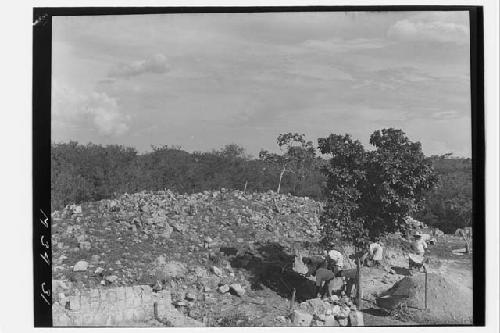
418, 247
313, 263
335, 260
374, 255
376, 252
350, 276
324, 278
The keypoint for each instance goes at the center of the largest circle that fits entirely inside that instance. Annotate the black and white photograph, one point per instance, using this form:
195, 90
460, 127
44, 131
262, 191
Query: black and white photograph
261, 167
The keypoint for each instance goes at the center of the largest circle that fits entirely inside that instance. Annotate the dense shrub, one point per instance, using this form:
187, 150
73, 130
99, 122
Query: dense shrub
92, 172
449, 206
369, 193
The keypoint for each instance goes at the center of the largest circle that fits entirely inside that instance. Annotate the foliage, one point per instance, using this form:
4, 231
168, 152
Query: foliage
345, 173
297, 156
398, 177
449, 206
93, 172
370, 192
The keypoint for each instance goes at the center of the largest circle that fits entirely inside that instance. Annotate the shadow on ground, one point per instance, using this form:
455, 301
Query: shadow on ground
376, 312
401, 270
271, 266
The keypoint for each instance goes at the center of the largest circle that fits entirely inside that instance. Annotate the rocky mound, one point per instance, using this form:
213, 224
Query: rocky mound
447, 302
212, 250
226, 258
125, 236
334, 311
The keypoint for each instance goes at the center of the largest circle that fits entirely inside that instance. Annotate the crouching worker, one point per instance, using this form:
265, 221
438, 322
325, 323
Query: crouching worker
324, 282
313, 264
325, 278
350, 276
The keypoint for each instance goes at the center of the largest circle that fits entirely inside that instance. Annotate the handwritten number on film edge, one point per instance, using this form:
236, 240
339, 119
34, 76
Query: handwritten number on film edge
45, 294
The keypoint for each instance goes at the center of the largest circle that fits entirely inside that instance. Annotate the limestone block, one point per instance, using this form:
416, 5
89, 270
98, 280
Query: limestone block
85, 303
147, 298
343, 321
109, 321
128, 315
111, 296
74, 302
331, 321
95, 303
302, 318
139, 314
121, 296
356, 318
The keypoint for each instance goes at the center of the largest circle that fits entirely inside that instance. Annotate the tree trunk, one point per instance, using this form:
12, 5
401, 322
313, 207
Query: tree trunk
467, 244
425, 269
358, 283
279, 184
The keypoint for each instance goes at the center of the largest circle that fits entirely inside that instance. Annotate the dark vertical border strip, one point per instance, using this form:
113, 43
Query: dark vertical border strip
478, 163
42, 253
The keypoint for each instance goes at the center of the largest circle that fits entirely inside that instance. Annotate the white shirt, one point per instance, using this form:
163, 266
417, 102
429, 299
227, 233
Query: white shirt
419, 246
337, 257
426, 237
376, 251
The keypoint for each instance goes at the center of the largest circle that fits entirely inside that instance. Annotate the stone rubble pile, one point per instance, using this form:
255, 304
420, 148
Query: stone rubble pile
333, 311
110, 234
175, 241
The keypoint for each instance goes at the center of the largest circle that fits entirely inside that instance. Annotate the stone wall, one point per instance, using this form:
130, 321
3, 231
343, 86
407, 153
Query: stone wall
121, 306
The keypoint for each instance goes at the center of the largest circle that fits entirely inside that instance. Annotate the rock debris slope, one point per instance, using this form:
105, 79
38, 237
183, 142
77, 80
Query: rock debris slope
209, 249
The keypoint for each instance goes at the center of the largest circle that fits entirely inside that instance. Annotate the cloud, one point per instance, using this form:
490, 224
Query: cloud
75, 109
156, 64
319, 72
394, 78
251, 77
106, 114
434, 27
444, 115
340, 45
106, 81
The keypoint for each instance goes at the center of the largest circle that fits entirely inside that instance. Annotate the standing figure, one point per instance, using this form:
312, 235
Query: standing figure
376, 253
418, 247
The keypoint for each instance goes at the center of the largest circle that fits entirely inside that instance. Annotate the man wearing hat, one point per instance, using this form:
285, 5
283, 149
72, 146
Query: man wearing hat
418, 246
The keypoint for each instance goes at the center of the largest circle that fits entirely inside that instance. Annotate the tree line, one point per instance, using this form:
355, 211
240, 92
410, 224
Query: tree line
93, 172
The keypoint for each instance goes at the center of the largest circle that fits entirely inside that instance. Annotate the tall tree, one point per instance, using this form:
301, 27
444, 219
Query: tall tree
370, 192
398, 177
297, 155
345, 172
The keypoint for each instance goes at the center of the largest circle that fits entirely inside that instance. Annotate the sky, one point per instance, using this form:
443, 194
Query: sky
201, 81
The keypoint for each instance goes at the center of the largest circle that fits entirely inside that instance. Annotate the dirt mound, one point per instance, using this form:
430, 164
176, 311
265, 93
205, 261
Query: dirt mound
447, 301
